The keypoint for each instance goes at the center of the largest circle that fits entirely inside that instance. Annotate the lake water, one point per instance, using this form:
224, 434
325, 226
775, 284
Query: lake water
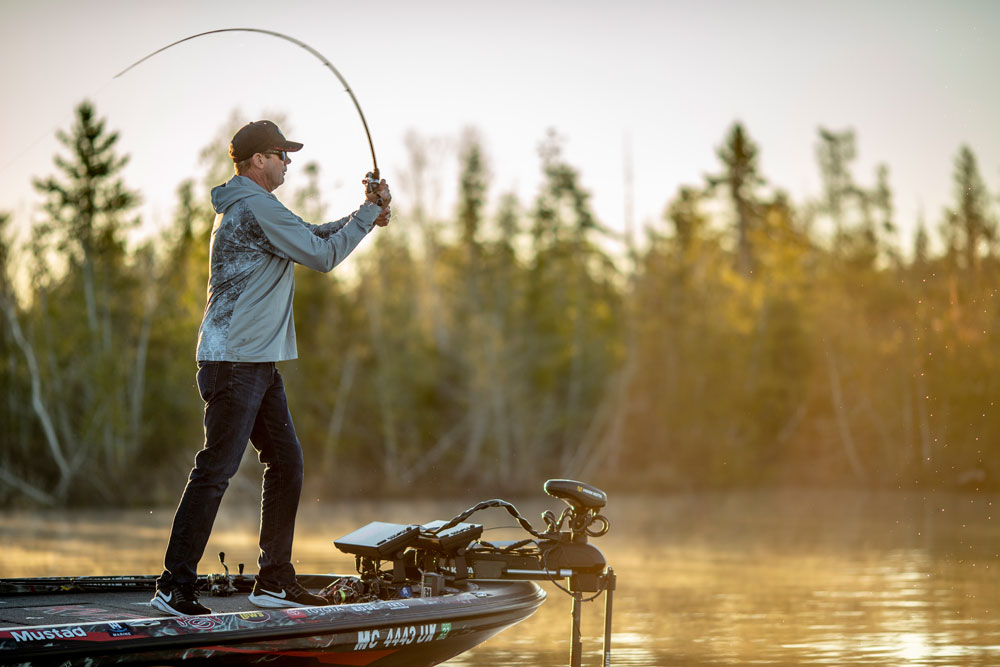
755, 578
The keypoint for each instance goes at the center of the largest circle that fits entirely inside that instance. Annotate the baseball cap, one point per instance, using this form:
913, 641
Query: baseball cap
257, 137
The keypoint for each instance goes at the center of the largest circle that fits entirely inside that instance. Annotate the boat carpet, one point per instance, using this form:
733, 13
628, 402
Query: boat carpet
87, 607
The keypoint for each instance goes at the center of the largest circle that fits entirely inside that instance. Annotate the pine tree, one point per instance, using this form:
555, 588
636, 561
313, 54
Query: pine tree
96, 374
741, 177
969, 227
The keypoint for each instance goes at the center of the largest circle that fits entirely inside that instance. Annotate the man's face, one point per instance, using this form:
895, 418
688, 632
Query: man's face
274, 169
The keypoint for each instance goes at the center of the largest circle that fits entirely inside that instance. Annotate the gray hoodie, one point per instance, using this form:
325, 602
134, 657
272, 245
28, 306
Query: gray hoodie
256, 242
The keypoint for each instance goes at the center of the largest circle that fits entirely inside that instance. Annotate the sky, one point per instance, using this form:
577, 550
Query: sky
632, 87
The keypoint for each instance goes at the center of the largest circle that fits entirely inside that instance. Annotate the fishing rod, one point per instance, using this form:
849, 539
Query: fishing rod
372, 178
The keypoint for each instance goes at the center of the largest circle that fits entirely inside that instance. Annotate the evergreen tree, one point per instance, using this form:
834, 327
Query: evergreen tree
969, 227
835, 152
96, 371
472, 192
739, 156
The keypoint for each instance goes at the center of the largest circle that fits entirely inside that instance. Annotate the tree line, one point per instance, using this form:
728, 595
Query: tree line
747, 339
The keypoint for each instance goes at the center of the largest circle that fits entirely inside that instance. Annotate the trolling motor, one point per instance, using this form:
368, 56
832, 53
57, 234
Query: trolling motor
581, 515
447, 556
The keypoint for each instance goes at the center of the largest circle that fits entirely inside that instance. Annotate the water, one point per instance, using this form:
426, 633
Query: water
756, 578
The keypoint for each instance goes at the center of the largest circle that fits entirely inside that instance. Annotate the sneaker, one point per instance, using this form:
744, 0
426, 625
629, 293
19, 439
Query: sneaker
179, 600
291, 595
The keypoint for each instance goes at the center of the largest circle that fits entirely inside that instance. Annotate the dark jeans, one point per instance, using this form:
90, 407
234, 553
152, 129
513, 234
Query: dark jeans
243, 401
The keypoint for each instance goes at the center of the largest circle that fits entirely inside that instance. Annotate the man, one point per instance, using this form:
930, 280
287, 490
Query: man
247, 327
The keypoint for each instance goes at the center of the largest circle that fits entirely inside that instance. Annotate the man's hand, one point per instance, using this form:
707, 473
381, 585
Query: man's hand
377, 193
380, 196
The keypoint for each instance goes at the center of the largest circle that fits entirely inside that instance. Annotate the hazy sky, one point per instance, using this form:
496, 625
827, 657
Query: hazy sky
914, 79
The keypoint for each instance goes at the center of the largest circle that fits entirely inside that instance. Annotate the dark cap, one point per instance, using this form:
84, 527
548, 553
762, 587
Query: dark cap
257, 137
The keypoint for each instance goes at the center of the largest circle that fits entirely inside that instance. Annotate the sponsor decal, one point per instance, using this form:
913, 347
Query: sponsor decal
315, 611
197, 622
296, 613
254, 616
119, 630
56, 633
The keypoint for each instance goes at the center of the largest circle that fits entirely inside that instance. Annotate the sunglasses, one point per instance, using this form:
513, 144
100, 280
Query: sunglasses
282, 155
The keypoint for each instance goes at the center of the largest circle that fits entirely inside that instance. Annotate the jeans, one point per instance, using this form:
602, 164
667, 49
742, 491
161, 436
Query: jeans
243, 401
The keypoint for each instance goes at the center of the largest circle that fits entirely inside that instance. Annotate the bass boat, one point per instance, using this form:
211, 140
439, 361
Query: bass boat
422, 594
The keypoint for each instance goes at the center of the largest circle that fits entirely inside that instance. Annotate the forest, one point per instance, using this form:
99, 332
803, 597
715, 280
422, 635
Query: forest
742, 340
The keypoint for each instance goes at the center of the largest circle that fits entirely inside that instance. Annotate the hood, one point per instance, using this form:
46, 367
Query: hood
237, 189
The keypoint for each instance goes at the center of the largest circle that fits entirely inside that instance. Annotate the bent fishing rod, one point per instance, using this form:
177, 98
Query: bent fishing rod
372, 179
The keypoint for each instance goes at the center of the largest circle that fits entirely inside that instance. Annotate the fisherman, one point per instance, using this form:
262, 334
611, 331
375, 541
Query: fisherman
246, 328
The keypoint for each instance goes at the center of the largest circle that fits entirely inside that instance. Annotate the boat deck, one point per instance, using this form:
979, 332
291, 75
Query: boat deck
95, 607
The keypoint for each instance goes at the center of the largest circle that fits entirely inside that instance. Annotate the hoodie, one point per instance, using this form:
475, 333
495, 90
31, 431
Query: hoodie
256, 243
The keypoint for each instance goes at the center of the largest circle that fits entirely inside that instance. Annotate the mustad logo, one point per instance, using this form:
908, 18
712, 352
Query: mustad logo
34, 635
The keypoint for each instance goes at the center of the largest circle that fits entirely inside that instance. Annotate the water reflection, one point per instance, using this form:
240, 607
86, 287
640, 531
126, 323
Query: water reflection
783, 578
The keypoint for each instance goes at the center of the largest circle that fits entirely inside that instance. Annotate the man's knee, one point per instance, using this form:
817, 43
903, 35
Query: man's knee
216, 479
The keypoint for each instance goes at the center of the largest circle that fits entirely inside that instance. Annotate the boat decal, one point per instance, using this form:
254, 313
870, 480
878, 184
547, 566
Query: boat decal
255, 616
402, 635
197, 622
119, 630
51, 633
320, 611
367, 639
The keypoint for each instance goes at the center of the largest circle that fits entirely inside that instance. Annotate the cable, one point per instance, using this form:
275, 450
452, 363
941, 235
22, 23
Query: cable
487, 504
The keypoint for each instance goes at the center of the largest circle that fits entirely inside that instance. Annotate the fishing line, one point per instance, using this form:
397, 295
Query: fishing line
323, 59
53, 131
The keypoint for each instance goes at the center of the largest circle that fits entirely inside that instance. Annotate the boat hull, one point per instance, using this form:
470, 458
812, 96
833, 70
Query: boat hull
411, 632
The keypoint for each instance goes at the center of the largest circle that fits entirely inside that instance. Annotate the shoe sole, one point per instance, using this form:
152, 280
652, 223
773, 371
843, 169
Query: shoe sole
164, 607
269, 602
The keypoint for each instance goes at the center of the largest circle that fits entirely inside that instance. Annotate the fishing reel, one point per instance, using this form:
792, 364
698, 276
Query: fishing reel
371, 183
223, 585
581, 517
